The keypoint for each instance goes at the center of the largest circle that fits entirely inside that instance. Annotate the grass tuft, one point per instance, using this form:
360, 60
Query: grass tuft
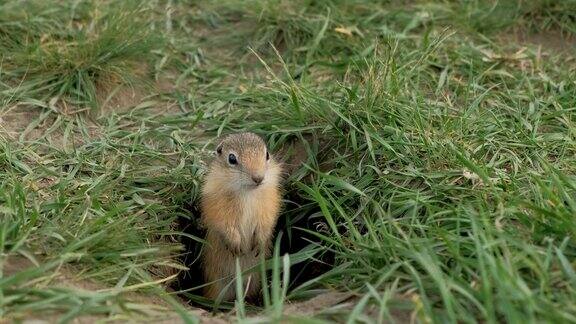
97, 45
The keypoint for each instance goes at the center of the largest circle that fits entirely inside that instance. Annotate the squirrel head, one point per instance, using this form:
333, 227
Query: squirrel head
244, 160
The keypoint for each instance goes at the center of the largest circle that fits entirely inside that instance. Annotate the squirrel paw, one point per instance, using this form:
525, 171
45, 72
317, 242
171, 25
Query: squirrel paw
235, 250
233, 245
256, 247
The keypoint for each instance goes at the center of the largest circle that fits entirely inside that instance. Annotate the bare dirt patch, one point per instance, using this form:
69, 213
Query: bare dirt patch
293, 156
550, 41
317, 304
65, 276
31, 122
15, 120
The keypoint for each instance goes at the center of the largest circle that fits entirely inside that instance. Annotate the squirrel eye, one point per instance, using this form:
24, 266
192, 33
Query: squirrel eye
232, 159
267, 156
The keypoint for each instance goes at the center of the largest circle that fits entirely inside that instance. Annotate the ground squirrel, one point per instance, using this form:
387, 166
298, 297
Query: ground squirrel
240, 205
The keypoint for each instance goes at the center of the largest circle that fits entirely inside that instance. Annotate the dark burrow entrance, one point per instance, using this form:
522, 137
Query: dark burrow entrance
291, 229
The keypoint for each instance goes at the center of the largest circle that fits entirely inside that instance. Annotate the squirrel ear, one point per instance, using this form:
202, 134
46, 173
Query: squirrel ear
219, 149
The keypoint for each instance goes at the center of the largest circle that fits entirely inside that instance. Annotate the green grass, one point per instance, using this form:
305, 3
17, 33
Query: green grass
439, 178
65, 51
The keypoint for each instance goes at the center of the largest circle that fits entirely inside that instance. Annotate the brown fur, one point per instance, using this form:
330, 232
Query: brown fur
239, 216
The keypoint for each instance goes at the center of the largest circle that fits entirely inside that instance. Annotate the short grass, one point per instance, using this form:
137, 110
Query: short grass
439, 178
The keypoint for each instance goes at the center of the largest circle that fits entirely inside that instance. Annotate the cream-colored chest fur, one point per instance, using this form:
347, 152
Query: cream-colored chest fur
250, 211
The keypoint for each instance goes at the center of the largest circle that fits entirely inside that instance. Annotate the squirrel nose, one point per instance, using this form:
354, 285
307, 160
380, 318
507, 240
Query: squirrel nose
257, 179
